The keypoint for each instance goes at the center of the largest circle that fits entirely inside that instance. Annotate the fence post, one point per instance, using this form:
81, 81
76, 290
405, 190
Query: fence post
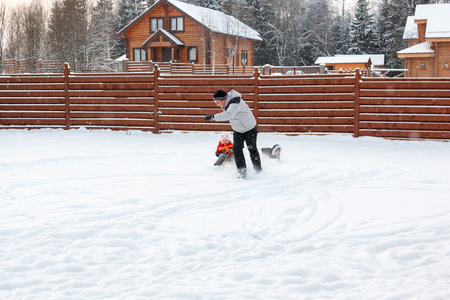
156, 98
125, 65
66, 93
256, 94
356, 103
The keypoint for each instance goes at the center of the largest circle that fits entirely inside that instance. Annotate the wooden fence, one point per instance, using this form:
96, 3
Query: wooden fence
174, 68
403, 108
384, 107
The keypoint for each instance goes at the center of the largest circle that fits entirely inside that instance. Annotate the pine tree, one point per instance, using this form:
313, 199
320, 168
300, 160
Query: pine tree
128, 10
290, 36
363, 38
391, 30
150, 2
212, 4
318, 21
340, 32
264, 51
102, 37
68, 28
34, 24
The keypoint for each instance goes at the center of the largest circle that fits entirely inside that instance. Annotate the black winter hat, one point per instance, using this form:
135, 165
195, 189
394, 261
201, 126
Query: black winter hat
220, 95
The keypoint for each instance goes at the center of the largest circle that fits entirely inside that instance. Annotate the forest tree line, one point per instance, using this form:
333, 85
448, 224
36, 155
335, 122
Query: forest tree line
294, 32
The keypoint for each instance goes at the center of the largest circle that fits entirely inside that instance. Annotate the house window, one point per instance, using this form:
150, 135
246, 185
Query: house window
156, 23
446, 65
423, 65
139, 54
244, 58
177, 24
192, 54
228, 52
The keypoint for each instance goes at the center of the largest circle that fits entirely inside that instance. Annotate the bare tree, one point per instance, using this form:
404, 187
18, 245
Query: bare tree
102, 39
68, 27
34, 27
3, 29
288, 36
15, 34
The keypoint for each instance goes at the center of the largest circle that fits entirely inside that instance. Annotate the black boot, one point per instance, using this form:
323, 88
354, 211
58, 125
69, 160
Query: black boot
242, 173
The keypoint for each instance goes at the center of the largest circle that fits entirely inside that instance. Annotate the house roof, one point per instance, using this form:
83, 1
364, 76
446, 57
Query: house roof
376, 59
437, 17
410, 32
214, 20
422, 48
342, 59
172, 38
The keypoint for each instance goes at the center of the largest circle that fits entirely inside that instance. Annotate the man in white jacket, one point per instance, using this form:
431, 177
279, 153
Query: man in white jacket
244, 127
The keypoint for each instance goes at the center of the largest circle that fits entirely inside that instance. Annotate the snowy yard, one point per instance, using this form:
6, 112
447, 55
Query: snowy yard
109, 215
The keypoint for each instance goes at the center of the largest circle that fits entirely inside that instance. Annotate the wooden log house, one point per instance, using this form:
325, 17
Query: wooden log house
428, 37
174, 31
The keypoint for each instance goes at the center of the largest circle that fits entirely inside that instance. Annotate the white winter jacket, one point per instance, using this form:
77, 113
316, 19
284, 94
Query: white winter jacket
237, 112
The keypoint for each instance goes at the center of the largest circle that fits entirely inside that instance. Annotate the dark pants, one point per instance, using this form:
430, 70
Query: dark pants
250, 139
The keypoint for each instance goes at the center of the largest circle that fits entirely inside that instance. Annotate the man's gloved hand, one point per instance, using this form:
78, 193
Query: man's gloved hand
208, 117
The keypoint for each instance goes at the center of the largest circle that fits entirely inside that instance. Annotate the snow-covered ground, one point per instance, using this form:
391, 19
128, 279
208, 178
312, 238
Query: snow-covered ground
109, 215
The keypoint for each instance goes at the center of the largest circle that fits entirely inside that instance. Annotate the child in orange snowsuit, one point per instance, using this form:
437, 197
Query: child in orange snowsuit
224, 150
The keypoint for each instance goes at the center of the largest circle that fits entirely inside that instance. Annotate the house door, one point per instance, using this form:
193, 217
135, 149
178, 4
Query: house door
166, 54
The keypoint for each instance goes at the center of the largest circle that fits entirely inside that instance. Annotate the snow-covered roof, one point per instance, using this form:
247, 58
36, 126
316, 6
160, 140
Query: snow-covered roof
217, 21
410, 32
424, 48
214, 20
376, 59
342, 59
437, 17
167, 34
122, 58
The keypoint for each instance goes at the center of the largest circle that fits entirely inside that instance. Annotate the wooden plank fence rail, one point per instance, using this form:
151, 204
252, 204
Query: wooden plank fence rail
150, 101
112, 101
185, 100
32, 101
405, 108
317, 103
